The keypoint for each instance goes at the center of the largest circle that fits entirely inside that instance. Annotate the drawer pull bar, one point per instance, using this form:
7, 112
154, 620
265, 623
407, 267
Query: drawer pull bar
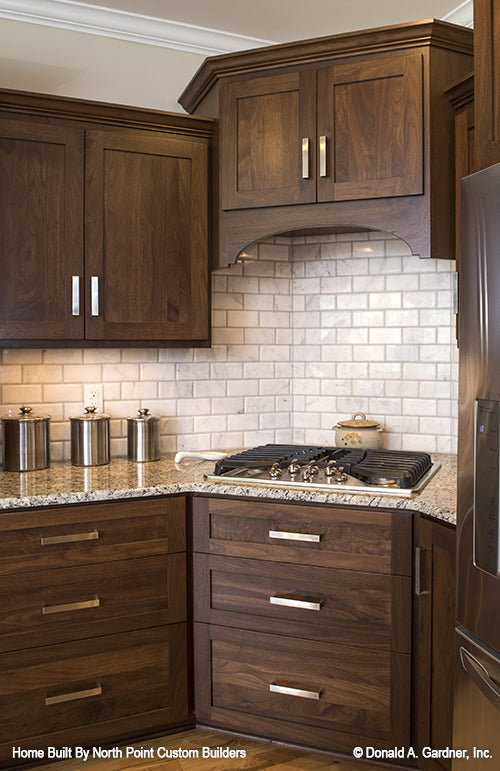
87, 694
295, 602
48, 609
288, 691
283, 536
47, 540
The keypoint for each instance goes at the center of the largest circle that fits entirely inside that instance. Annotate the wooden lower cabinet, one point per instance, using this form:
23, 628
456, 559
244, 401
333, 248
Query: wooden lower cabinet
302, 622
94, 638
84, 687
301, 691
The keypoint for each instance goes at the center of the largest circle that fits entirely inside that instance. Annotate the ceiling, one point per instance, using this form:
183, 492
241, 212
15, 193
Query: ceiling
217, 26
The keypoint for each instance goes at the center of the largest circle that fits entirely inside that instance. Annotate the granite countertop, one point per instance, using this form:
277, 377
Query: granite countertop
63, 484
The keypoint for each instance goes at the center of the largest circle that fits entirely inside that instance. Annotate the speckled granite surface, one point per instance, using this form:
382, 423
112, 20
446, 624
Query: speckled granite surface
63, 483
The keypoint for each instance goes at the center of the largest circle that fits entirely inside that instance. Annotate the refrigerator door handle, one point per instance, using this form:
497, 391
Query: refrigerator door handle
481, 677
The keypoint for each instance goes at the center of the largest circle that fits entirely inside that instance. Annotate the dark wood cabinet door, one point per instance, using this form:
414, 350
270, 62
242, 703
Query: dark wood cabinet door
370, 119
41, 230
318, 694
435, 639
268, 140
146, 237
487, 82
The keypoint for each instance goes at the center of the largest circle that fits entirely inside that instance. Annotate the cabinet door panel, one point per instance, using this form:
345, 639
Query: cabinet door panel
146, 237
344, 606
73, 685
263, 123
41, 230
372, 116
354, 539
363, 694
51, 606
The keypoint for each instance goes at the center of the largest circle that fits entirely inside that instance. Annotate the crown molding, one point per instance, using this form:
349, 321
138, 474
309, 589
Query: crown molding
133, 27
463, 14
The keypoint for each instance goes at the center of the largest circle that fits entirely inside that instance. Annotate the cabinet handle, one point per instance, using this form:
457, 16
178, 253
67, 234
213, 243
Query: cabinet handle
294, 602
289, 691
68, 606
283, 536
322, 156
421, 571
87, 694
94, 295
305, 158
75, 296
47, 540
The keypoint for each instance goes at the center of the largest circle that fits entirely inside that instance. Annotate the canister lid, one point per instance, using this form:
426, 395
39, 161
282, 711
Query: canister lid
144, 416
25, 414
359, 420
90, 413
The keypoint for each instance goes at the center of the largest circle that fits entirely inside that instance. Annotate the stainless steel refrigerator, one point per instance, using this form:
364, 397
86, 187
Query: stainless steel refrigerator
477, 665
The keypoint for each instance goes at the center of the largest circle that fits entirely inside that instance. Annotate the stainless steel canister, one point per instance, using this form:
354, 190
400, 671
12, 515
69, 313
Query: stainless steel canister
26, 441
143, 437
90, 438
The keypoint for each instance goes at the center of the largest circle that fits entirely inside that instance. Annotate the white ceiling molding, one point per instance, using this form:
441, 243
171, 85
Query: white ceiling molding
463, 14
107, 22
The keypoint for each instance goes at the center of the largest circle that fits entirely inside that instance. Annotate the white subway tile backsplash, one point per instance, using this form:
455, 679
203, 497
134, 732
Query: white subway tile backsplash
305, 331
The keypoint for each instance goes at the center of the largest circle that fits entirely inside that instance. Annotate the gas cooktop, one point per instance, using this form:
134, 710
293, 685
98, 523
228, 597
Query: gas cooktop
332, 469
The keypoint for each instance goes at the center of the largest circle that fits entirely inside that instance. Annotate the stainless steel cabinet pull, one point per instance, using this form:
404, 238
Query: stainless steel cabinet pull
421, 571
47, 540
48, 609
75, 296
94, 295
294, 602
284, 536
73, 696
305, 158
322, 156
288, 691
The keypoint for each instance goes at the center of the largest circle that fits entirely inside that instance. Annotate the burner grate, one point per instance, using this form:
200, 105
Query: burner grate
392, 468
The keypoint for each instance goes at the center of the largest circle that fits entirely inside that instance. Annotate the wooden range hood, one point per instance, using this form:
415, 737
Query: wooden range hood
345, 132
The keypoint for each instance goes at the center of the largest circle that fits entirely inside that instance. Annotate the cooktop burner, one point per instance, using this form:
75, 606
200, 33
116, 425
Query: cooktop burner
391, 472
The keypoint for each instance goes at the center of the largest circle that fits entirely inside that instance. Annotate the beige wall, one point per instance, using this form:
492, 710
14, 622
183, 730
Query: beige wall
66, 63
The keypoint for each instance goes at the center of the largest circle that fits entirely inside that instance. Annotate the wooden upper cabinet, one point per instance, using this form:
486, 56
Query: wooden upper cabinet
267, 131
370, 127
487, 82
349, 131
103, 224
367, 141
41, 229
146, 236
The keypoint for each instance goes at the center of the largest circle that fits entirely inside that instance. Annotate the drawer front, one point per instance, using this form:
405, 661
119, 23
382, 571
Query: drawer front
68, 603
62, 687
79, 535
318, 689
376, 541
328, 604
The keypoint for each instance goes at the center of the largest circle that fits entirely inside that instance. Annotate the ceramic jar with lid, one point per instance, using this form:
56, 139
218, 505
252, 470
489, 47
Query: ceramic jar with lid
360, 432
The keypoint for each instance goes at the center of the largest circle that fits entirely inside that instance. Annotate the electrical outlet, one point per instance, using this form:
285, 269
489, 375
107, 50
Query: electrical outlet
93, 397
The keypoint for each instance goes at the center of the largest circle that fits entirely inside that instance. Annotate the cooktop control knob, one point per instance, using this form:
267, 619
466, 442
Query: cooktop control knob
310, 472
275, 471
